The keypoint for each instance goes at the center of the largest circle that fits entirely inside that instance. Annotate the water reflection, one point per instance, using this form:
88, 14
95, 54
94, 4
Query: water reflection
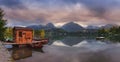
75, 54
72, 40
69, 41
59, 43
21, 53
71, 49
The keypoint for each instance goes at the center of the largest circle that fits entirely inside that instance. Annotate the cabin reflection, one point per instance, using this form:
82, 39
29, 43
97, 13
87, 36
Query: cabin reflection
21, 53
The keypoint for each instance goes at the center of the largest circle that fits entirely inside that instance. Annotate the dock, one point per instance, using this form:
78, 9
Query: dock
100, 38
33, 42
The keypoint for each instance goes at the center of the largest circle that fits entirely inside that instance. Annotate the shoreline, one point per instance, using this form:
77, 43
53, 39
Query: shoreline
5, 56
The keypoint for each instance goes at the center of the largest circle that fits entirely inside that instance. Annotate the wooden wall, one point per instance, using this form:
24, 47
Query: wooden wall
23, 36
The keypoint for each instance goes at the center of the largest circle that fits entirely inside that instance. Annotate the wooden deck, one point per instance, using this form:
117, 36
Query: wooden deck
33, 42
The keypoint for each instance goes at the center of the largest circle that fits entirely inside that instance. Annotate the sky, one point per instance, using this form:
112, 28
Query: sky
59, 12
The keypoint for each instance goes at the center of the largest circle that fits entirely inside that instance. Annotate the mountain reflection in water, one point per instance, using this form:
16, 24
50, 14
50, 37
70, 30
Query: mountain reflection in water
86, 50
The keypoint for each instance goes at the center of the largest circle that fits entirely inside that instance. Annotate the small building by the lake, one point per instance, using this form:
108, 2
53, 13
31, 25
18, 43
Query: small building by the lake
22, 35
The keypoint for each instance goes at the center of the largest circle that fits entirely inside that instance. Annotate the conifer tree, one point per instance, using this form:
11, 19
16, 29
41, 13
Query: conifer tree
2, 25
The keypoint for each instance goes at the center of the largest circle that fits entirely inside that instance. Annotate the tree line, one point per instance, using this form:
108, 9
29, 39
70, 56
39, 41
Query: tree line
112, 33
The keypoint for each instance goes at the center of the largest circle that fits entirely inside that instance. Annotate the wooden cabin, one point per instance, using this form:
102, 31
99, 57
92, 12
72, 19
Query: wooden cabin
22, 35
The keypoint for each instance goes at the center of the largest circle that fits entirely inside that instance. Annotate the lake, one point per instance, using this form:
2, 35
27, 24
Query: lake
70, 49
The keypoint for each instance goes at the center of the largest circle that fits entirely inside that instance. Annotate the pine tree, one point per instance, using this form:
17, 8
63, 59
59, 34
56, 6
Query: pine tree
2, 25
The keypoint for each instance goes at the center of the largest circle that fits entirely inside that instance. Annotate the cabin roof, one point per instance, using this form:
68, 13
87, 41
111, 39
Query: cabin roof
22, 28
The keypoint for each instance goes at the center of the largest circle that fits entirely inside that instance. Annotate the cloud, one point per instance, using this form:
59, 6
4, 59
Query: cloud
99, 12
98, 7
12, 4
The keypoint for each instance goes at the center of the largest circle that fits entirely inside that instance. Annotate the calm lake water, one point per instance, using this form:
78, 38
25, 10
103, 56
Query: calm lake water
70, 49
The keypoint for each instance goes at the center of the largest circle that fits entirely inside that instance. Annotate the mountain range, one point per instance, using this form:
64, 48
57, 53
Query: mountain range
70, 27
38, 27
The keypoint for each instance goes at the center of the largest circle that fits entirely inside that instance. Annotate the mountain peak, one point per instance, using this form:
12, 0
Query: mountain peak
71, 22
72, 27
50, 25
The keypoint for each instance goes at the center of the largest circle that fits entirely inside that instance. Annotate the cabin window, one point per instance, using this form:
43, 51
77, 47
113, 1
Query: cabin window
24, 33
20, 34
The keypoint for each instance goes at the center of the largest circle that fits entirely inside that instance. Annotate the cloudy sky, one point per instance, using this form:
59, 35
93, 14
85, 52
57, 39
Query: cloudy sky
59, 12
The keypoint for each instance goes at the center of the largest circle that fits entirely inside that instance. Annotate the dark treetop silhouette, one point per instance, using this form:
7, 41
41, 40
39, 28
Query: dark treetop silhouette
2, 25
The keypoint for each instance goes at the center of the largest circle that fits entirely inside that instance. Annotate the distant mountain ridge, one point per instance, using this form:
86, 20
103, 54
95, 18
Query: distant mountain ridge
108, 26
72, 27
92, 27
38, 27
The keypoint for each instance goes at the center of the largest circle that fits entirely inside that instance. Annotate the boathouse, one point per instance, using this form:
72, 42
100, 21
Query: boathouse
22, 35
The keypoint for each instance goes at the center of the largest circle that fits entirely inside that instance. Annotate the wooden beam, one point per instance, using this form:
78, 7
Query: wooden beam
8, 43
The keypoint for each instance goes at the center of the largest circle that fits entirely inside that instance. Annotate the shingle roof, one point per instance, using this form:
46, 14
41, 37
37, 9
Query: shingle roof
22, 28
